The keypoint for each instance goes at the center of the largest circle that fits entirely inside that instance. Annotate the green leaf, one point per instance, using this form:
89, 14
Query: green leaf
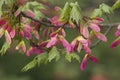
30, 65
4, 48
34, 7
97, 13
36, 61
72, 55
105, 8
1, 4
116, 5
76, 14
9, 3
39, 15
41, 58
65, 15
53, 54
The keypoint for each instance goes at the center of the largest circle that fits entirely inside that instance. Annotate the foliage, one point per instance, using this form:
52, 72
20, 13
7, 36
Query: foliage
53, 54
28, 23
103, 9
73, 55
4, 48
116, 5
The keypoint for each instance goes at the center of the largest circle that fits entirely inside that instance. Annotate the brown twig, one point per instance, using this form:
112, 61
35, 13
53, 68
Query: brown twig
47, 23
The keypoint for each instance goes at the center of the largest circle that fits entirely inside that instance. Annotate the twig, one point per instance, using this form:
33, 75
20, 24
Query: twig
106, 32
110, 24
47, 23
36, 20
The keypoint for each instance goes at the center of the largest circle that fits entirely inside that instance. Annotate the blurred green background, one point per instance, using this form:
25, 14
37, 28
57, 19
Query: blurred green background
108, 67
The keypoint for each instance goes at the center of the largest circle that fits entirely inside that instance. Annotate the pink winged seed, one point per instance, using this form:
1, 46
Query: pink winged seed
94, 27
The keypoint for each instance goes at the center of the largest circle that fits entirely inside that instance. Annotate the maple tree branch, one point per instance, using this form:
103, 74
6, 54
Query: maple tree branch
47, 23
